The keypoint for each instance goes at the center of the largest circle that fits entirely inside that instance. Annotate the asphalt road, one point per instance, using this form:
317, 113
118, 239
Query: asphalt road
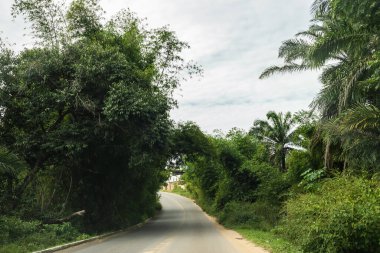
181, 227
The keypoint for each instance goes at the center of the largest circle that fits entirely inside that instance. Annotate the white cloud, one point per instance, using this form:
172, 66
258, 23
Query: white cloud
234, 41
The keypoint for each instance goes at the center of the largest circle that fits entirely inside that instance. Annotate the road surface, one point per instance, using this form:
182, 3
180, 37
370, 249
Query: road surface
181, 227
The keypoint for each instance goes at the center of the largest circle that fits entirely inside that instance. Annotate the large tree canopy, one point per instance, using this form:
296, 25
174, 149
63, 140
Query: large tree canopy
89, 105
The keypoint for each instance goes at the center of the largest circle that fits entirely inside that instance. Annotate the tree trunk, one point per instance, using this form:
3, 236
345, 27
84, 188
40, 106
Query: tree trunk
328, 161
283, 164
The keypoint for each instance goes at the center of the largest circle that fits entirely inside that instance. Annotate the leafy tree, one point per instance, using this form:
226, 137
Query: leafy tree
90, 102
188, 141
195, 152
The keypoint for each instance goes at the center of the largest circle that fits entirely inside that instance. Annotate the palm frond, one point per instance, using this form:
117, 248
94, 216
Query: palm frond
327, 101
314, 31
283, 69
320, 7
260, 128
357, 131
294, 49
351, 80
362, 117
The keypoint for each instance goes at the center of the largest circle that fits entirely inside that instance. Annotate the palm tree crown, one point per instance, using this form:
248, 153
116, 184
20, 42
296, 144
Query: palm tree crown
343, 41
277, 131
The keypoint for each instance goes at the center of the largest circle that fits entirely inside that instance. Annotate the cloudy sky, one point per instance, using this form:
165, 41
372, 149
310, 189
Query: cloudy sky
234, 41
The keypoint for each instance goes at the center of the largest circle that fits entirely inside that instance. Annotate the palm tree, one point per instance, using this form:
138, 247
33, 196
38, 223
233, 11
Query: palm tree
342, 46
343, 41
358, 133
277, 131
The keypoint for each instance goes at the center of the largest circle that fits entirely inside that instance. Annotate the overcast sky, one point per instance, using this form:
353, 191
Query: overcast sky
234, 41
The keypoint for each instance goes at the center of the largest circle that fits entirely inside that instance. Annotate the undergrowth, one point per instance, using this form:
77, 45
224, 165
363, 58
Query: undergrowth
18, 236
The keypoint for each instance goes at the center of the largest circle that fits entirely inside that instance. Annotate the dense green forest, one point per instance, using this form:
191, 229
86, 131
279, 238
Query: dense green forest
86, 138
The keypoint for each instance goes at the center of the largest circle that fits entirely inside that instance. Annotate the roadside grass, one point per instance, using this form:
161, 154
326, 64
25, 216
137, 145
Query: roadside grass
183, 192
267, 240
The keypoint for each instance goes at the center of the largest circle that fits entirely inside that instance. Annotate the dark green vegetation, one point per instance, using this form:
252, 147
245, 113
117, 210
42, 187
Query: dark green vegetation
84, 122
311, 179
25, 236
84, 125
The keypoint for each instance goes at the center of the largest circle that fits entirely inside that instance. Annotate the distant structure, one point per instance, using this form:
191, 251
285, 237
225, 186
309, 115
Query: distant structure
174, 180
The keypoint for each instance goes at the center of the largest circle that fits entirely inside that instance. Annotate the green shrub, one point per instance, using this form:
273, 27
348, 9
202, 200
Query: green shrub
341, 216
181, 191
17, 235
13, 228
272, 185
259, 215
65, 231
297, 163
12, 248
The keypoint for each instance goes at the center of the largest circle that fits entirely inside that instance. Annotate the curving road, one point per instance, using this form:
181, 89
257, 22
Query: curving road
181, 227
